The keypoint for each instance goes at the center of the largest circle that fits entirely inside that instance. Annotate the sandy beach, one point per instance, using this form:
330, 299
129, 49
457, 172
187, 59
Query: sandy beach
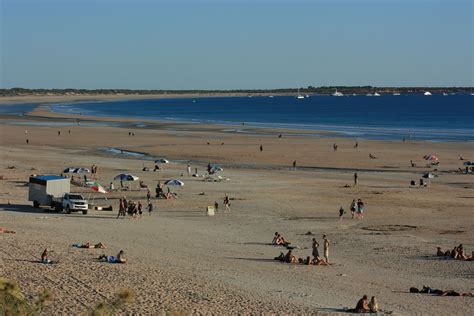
182, 260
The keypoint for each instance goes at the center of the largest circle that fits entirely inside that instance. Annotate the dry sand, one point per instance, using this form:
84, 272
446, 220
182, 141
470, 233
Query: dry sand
182, 260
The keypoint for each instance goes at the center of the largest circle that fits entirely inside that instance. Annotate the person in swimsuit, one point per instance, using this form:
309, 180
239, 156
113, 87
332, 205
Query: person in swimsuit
326, 248
315, 246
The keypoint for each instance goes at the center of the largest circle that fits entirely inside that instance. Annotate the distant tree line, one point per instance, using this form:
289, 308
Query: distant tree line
284, 91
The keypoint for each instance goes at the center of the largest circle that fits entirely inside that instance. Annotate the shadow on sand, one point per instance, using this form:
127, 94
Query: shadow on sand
22, 208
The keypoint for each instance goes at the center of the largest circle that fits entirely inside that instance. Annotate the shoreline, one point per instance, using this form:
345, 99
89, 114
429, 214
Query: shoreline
391, 134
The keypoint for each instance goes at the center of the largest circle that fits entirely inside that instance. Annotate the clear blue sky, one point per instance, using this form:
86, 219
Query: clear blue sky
229, 44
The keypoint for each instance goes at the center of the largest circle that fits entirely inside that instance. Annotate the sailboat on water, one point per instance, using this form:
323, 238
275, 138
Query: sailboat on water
299, 96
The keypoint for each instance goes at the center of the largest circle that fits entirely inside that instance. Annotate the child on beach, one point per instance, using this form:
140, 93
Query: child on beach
341, 213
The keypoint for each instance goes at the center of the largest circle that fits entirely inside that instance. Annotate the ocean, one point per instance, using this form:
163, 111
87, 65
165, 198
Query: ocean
388, 117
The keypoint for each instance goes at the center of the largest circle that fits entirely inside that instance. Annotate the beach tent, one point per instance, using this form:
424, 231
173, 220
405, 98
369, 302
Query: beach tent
76, 170
126, 177
174, 182
161, 160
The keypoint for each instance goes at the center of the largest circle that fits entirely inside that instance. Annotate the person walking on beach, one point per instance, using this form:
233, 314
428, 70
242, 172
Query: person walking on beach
294, 165
27, 141
148, 196
326, 248
353, 208
355, 178
188, 168
356, 145
360, 209
341, 213
334, 146
139, 208
226, 204
59, 133
121, 208
261, 148
315, 246
150, 208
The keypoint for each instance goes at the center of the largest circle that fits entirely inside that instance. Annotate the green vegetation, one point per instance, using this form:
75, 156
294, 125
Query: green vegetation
13, 302
284, 91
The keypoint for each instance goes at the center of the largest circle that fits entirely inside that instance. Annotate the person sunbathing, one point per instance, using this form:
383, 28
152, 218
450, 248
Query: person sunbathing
275, 238
290, 258
318, 261
89, 245
281, 241
281, 257
120, 258
462, 256
373, 306
44, 256
6, 231
439, 252
362, 305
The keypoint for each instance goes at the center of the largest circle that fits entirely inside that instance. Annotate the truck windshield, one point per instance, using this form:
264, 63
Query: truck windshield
75, 197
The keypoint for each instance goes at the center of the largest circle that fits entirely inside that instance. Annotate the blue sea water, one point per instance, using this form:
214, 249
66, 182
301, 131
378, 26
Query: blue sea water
433, 118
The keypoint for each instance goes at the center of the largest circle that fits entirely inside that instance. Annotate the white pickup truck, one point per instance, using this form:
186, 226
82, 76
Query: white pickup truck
70, 202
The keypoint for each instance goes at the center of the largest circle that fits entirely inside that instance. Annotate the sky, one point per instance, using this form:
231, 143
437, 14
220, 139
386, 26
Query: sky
231, 44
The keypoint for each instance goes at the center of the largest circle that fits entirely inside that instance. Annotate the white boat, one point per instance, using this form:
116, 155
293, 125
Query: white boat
376, 94
337, 94
270, 96
445, 94
307, 96
427, 93
299, 96
369, 95
396, 93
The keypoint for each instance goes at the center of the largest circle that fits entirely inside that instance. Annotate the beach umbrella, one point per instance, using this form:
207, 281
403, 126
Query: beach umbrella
161, 160
76, 170
126, 177
429, 175
431, 157
174, 182
469, 163
96, 186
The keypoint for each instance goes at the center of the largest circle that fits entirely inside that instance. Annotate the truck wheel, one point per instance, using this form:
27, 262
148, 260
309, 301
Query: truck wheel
36, 204
68, 210
84, 212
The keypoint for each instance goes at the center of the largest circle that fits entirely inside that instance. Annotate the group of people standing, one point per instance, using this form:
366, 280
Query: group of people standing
315, 251
132, 208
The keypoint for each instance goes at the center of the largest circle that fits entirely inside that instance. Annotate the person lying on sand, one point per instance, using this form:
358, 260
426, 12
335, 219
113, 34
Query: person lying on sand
318, 261
6, 231
99, 245
437, 292
290, 258
120, 258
